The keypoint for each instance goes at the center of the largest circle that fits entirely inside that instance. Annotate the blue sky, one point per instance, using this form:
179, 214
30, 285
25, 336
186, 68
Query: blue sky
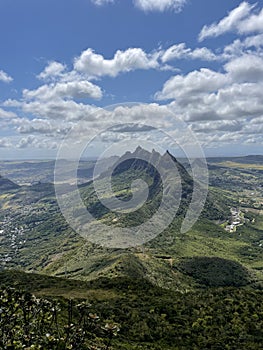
63, 62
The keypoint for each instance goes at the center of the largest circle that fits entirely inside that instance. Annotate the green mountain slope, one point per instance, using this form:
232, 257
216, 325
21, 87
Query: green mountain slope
36, 237
150, 317
7, 185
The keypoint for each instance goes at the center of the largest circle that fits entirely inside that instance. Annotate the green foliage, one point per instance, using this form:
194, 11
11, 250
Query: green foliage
166, 295
27, 322
215, 272
153, 318
211, 319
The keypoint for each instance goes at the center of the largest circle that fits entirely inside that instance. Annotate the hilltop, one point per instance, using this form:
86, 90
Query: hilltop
6, 185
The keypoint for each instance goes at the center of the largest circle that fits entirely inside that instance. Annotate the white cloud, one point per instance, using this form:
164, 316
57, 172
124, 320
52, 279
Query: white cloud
5, 143
4, 77
232, 22
254, 41
180, 51
238, 48
152, 112
235, 49
41, 126
85, 118
34, 142
150, 5
253, 129
102, 2
6, 114
258, 120
252, 24
53, 71
221, 133
27, 141
193, 84
217, 125
11, 103
75, 89
95, 65
218, 105
206, 95
233, 102
160, 5
247, 68
58, 109
203, 53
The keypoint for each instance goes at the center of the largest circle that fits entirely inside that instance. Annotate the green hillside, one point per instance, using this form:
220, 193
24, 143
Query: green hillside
198, 290
36, 237
7, 185
148, 317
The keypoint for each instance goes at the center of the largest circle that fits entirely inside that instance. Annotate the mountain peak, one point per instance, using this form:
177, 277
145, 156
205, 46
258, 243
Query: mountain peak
141, 153
168, 155
6, 184
138, 149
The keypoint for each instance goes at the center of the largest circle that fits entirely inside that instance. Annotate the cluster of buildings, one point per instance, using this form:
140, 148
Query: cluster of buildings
13, 237
235, 220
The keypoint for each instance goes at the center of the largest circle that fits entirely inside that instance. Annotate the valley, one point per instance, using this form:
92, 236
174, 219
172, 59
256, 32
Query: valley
41, 253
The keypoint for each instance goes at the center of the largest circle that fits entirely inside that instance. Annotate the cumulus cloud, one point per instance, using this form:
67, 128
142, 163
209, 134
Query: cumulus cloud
225, 136
255, 41
5, 143
11, 103
247, 68
52, 71
238, 48
150, 5
58, 109
4, 77
27, 141
193, 84
90, 65
41, 126
254, 23
233, 102
34, 142
75, 89
216, 125
160, 5
102, 2
217, 104
234, 21
207, 95
88, 119
95, 65
180, 51
6, 114
132, 128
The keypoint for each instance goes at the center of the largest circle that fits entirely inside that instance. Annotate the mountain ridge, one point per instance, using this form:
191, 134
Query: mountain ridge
6, 184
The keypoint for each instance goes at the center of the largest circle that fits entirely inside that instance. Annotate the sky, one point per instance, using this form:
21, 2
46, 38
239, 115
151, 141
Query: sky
160, 64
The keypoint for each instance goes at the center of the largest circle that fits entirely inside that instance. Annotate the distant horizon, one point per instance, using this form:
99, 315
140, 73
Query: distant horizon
96, 158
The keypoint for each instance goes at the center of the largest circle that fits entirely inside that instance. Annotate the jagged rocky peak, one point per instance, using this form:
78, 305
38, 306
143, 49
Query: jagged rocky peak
141, 158
141, 152
153, 157
168, 155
